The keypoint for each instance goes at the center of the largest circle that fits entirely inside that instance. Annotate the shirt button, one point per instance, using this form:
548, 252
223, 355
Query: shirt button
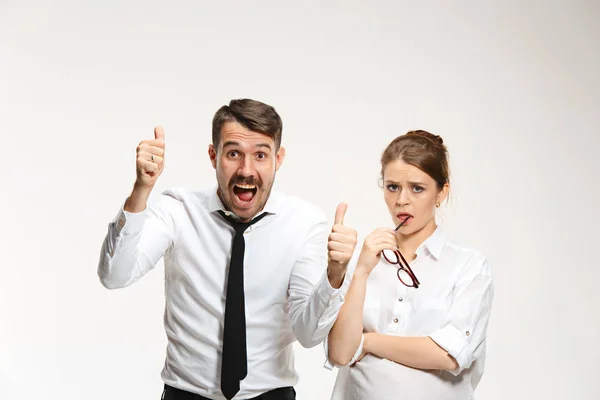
400, 298
395, 320
121, 223
468, 333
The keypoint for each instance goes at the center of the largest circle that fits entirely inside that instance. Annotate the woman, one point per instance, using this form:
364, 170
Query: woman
414, 321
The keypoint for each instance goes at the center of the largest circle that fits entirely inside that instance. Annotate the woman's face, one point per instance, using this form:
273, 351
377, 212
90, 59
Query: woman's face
410, 192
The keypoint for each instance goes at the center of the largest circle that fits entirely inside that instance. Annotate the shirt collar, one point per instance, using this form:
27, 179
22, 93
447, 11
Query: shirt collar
434, 243
272, 206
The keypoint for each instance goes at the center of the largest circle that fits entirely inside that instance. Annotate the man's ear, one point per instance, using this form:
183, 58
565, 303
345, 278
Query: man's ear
279, 157
212, 154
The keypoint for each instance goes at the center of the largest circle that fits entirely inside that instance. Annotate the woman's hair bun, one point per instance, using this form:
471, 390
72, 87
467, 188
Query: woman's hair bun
430, 136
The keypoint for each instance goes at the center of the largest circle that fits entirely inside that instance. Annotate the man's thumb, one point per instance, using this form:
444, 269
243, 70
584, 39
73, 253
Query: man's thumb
159, 133
339, 213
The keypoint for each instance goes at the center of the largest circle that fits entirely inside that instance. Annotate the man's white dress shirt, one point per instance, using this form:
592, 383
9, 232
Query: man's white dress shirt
452, 306
288, 295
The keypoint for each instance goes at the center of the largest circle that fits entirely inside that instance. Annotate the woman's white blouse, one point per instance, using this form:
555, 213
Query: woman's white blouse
452, 306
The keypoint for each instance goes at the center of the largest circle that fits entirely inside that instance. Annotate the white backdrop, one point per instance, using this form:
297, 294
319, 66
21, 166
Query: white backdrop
511, 86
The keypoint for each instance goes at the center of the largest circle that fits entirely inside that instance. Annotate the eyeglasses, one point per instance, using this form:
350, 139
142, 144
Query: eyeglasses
405, 273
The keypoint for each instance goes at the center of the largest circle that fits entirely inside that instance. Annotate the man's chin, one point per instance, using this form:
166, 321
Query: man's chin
245, 214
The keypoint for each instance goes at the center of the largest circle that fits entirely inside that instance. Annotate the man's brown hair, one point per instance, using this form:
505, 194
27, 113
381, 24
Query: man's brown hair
251, 114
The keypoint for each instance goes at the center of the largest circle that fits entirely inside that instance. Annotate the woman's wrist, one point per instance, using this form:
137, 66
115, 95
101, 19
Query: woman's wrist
361, 272
367, 340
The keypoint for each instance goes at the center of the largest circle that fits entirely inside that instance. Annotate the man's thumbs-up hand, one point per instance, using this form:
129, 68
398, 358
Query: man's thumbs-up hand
342, 242
150, 159
149, 164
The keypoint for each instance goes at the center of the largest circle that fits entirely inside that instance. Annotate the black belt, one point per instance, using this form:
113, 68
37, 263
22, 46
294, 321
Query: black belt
284, 393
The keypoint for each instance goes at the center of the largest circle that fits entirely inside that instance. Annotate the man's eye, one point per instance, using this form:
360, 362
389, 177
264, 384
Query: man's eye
261, 156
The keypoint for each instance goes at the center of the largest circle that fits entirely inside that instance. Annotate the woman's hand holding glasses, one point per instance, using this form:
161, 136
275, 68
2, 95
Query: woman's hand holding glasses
380, 239
383, 241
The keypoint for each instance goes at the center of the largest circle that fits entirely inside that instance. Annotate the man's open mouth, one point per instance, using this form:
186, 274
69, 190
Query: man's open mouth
244, 193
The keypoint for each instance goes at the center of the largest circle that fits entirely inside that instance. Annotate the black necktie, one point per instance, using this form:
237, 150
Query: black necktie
234, 367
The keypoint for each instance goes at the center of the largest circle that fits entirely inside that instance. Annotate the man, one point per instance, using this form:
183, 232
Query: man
247, 271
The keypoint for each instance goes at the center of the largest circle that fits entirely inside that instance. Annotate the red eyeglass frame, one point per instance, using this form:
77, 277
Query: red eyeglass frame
403, 267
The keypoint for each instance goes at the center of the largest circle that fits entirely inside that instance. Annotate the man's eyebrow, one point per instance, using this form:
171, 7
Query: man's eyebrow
234, 143
230, 143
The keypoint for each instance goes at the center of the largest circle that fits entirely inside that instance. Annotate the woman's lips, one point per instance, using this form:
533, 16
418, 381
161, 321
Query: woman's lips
404, 219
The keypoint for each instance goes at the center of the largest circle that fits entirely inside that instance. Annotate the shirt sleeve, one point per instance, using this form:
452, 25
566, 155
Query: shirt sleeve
314, 304
135, 242
464, 332
349, 275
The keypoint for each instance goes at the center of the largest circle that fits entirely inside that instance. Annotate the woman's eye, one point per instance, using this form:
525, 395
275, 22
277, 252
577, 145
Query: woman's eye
417, 189
392, 188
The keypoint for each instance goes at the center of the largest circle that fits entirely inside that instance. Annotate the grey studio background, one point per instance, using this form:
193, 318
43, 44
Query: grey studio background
511, 86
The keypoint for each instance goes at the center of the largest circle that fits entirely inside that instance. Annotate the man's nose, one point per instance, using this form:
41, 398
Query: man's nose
246, 167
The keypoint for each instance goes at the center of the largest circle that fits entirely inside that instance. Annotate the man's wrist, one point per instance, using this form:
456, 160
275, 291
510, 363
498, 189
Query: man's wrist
136, 202
335, 274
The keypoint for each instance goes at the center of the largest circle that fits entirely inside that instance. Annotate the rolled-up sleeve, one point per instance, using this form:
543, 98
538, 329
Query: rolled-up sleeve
329, 364
465, 329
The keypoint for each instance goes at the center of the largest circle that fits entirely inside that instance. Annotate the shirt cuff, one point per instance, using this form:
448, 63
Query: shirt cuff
329, 365
331, 295
455, 342
331, 300
128, 223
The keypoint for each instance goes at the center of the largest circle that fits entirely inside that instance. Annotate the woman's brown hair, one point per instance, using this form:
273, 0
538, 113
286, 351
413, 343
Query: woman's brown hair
422, 149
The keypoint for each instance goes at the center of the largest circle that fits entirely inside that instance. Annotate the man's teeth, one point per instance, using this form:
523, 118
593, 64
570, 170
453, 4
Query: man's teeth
246, 186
